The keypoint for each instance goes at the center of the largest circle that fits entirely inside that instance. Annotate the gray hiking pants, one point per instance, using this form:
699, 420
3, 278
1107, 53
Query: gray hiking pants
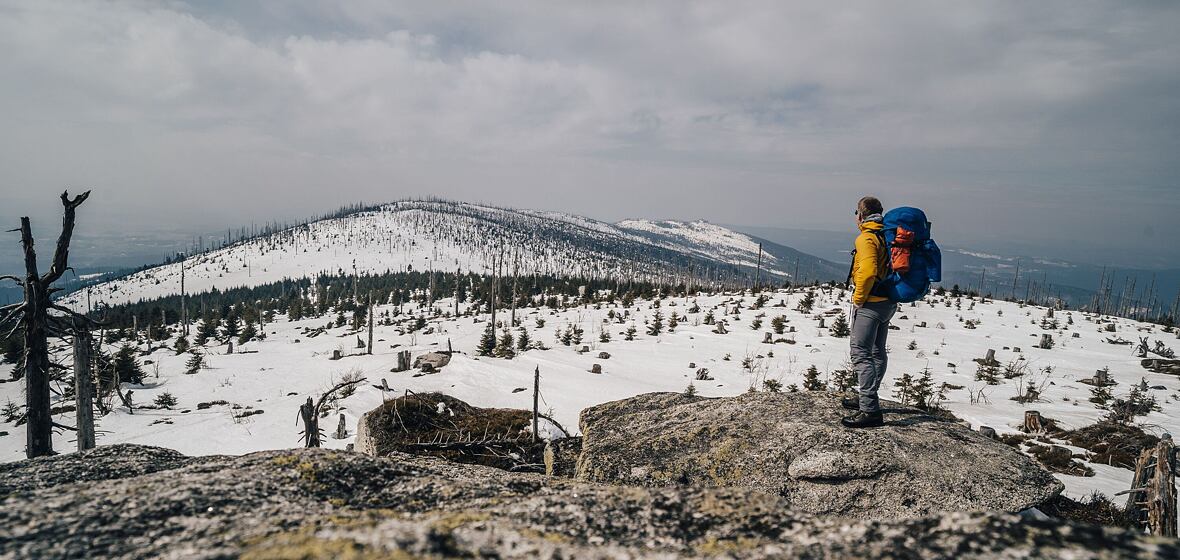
870, 328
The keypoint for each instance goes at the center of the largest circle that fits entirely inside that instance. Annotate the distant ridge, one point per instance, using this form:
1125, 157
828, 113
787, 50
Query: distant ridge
452, 236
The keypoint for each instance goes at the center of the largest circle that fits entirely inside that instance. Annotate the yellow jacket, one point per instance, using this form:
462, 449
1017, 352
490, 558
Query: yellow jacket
868, 263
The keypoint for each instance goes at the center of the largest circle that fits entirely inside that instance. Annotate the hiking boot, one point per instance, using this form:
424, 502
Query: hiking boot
851, 403
863, 420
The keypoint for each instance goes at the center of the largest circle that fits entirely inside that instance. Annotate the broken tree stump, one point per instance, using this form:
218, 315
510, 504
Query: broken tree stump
989, 359
1033, 422
1152, 500
311, 424
403, 361
341, 429
83, 386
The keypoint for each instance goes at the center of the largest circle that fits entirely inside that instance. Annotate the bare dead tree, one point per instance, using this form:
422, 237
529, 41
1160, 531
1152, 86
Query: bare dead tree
34, 317
309, 413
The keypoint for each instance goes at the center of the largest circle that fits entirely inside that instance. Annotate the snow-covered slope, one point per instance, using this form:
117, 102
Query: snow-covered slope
451, 236
275, 375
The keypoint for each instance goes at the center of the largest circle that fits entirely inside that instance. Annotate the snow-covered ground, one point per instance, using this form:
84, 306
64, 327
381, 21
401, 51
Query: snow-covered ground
276, 375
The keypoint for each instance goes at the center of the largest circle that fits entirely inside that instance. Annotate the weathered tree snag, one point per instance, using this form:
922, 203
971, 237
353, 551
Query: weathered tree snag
369, 348
36, 317
310, 414
1152, 501
311, 424
38, 325
1033, 423
83, 387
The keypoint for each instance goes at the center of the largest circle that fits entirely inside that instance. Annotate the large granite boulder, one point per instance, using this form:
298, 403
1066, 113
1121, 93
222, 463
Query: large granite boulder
792, 445
311, 503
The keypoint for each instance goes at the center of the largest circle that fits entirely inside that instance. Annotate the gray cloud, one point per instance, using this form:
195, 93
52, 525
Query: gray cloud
1031, 118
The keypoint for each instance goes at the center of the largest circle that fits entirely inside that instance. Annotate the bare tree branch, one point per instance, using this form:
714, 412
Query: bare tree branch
319, 405
20, 307
62, 253
75, 315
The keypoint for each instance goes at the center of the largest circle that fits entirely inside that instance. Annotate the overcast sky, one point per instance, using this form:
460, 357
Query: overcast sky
1033, 120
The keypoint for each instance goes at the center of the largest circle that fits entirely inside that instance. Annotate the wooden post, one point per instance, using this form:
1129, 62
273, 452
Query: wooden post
83, 387
536, 404
369, 350
341, 429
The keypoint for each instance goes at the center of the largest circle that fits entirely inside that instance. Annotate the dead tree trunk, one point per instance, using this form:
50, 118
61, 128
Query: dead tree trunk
83, 387
183, 301
369, 349
38, 325
311, 424
536, 406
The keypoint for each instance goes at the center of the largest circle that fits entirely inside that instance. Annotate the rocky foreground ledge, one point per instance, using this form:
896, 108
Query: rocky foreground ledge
792, 444
126, 501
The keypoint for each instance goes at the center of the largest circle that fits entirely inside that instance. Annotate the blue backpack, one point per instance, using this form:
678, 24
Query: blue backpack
912, 259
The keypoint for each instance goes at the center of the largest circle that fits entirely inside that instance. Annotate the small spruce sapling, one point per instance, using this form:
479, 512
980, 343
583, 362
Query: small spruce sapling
181, 345
165, 401
504, 346
523, 341
194, 363
656, 326
807, 303
840, 326
487, 342
811, 380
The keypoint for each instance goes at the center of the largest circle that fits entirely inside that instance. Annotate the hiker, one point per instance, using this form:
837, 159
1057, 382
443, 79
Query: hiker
870, 316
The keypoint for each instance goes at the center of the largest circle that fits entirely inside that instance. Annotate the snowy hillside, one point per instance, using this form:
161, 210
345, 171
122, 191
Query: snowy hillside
249, 400
455, 236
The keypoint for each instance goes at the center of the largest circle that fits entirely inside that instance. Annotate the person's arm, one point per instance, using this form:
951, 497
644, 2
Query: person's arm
867, 250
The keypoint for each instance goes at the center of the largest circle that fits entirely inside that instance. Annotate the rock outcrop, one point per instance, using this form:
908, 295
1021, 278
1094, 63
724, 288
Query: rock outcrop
311, 503
432, 361
792, 445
